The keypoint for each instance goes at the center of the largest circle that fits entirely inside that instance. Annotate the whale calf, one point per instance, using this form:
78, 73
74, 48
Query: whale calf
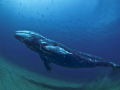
51, 51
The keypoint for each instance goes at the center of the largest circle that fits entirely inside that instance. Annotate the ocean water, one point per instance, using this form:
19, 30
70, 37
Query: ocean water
90, 26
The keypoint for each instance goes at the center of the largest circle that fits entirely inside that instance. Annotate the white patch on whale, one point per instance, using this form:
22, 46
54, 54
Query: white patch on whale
57, 49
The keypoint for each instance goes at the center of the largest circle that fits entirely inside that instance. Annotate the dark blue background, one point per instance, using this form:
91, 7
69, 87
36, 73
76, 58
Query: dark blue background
91, 26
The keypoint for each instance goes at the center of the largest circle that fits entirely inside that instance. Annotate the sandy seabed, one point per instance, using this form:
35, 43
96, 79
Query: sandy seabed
13, 77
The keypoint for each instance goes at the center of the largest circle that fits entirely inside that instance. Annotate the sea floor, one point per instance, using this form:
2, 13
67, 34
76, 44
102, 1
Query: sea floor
13, 77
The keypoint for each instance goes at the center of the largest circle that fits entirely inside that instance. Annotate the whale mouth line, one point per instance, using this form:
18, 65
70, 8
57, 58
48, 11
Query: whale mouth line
22, 32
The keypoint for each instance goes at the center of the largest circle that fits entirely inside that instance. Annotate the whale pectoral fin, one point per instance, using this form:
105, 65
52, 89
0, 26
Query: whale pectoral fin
47, 63
115, 70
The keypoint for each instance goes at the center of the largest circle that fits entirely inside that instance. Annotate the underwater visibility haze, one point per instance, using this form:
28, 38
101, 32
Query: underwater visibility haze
89, 26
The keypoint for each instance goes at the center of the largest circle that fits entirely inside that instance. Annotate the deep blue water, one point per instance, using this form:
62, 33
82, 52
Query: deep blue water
91, 26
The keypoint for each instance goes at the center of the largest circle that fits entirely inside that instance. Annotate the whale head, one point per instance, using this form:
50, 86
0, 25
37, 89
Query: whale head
29, 38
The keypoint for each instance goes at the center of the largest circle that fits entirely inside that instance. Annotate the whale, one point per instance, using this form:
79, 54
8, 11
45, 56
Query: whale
52, 52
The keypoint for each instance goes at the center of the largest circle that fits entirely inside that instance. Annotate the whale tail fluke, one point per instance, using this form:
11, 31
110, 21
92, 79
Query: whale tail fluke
115, 70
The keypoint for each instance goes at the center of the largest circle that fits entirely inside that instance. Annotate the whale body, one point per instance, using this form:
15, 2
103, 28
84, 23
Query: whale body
51, 51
